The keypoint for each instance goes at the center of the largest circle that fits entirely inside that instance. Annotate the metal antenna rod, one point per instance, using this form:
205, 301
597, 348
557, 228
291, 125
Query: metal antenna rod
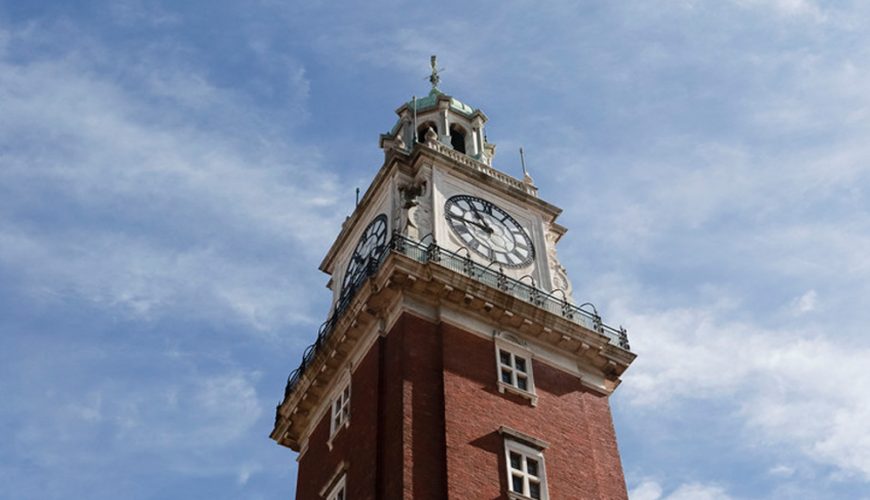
523, 161
416, 139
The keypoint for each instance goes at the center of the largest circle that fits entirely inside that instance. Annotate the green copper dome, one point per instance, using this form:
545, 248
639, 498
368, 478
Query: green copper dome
424, 103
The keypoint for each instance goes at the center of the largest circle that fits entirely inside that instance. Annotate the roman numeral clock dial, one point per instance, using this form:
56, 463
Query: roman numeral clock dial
368, 248
489, 231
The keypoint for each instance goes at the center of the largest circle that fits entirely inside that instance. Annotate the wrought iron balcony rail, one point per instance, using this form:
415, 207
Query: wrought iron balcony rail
555, 302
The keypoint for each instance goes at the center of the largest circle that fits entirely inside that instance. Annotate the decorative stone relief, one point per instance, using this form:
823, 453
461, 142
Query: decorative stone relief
510, 338
431, 137
557, 270
415, 220
400, 140
398, 214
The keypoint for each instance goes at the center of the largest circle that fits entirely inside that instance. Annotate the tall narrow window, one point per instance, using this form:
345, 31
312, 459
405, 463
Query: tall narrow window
340, 410
525, 471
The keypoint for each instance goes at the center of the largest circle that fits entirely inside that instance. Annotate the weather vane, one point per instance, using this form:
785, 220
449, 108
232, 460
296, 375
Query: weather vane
434, 79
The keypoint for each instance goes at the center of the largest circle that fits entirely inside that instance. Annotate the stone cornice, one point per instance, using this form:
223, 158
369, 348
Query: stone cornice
401, 276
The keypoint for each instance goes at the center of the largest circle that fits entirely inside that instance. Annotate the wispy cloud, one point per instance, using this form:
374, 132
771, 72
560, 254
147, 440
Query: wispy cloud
789, 8
177, 418
146, 203
806, 302
652, 490
138, 199
799, 390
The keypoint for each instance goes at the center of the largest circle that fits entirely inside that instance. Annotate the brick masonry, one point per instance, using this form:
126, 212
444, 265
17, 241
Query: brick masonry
425, 414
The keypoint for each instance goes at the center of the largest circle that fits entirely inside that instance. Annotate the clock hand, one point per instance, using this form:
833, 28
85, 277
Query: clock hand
486, 226
463, 219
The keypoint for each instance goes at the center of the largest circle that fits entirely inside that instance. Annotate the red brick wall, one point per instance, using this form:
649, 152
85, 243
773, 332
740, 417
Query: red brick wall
422, 466
582, 461
397, 418
357, 444
391, 459
425, 413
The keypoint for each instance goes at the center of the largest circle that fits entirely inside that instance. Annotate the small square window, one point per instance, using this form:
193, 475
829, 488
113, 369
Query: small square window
515, 371
526, 471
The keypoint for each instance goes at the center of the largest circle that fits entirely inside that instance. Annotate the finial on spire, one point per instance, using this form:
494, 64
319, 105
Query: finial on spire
434, 79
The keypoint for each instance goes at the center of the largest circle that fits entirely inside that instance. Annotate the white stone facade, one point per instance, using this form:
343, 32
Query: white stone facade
417, 179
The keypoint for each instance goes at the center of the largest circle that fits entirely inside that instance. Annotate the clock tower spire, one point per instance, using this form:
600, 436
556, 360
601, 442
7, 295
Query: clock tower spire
454, 362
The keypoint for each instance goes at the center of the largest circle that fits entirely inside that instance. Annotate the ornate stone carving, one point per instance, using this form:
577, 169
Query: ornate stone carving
400, 140
431, 137
557, 270
416, 211
510, 337
398, 213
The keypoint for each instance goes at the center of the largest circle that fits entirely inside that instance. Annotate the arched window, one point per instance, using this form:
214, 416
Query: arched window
457, 138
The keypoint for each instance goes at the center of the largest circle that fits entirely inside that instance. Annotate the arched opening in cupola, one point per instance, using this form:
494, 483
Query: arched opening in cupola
422, 129
457, 138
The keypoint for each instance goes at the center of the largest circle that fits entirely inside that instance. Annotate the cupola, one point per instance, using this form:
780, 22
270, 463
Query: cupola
454, 124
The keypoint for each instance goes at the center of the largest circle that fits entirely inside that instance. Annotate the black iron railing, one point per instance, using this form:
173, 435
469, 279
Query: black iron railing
555, 302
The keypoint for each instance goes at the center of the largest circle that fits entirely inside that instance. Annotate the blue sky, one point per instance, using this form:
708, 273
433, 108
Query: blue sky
171, 175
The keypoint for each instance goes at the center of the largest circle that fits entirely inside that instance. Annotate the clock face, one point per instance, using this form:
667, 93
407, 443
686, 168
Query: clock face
369, 247
489, 231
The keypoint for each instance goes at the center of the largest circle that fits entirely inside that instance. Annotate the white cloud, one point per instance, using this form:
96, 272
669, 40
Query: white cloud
245, 473
806, 302
795, 389
147, 279
210, 410
781, 470
696, 491
739, 241
791, 8
157, 192
647, 490
652, 490
186, 425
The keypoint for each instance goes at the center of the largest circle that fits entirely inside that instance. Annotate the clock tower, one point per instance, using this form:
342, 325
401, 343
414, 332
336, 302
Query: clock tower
455, 361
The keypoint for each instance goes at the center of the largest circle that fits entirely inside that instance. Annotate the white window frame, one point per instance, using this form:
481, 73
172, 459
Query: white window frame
526, 453
340, 487
336, 483
515, 351
339, 410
